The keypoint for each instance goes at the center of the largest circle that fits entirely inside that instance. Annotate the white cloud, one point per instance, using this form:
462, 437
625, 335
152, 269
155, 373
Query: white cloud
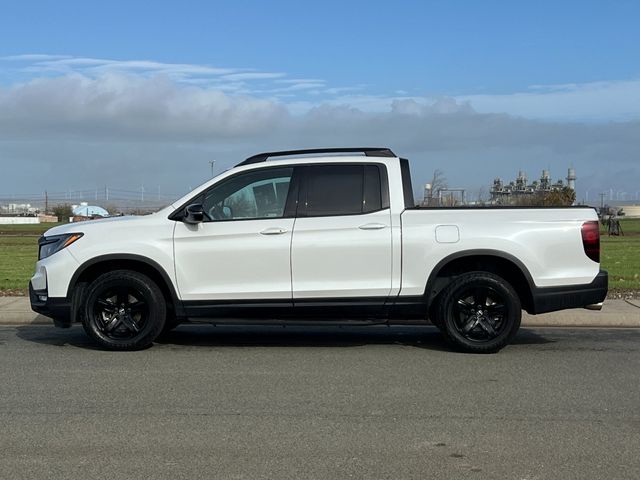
254, 76
32, 57
597, 101
153, 119
115, 105
301, 80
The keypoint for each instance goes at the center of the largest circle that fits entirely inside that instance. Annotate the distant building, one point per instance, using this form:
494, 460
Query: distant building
508, 193
84, 211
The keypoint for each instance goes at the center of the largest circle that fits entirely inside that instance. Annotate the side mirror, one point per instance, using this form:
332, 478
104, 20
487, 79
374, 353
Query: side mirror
193, 214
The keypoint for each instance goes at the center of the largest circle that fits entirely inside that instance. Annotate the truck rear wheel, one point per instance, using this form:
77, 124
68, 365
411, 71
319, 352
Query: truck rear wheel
123, 310
479, 312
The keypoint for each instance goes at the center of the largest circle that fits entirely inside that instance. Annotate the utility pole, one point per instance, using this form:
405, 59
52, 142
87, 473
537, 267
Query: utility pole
46, 202
142, 193
602, 195
212, 163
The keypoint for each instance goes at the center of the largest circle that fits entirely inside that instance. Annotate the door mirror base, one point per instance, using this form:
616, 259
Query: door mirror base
193, 214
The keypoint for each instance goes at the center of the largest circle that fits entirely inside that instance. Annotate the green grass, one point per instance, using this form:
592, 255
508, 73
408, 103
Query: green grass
19, 252
35, 229
621, 256
18, 256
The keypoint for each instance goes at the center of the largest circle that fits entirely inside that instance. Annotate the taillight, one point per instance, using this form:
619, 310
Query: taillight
591, 240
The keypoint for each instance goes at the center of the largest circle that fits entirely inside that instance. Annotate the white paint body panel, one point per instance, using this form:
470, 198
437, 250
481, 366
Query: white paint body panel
547, 242
149, 236
233, 260
333, 257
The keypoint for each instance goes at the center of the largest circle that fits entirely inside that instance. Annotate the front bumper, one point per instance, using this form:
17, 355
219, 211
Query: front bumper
551, 299
58, 309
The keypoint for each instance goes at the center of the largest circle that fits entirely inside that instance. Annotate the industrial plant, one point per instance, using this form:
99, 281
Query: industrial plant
520, 188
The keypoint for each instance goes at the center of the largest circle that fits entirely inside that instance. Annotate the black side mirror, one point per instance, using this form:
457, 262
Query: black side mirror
193, 214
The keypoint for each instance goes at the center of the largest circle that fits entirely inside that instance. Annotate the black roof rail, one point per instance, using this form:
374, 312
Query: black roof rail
368, 151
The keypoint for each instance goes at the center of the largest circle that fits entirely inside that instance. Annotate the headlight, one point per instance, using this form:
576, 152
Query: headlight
50, 245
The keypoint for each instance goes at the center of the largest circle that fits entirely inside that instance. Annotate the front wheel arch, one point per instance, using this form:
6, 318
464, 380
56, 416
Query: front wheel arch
97, 266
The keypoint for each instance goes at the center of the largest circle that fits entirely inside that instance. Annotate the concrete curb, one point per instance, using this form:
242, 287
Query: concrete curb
615, 313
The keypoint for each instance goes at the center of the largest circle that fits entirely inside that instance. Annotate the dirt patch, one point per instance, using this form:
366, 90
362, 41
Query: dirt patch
620, 293
14, 292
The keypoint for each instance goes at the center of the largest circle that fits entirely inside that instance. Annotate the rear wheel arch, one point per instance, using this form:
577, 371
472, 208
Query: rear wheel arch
499, 263
95, 267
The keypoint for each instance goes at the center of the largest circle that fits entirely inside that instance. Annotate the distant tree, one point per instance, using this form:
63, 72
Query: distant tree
560, 198
112, 209
438, 182
557, 198
63, 211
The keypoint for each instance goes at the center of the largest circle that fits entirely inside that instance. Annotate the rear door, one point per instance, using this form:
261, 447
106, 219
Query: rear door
341, 246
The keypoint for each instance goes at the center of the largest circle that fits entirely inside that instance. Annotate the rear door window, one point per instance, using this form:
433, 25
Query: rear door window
341, 190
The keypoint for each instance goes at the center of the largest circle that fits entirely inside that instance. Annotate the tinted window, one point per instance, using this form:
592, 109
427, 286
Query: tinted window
334, 190
372, 193
343, 190
259, 194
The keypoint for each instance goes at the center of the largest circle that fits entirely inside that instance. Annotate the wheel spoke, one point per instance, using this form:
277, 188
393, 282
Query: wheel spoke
112, 324
130, 323
464, 306
136, 306
471, 323
107, 305
487, 327
480, 296
496, 309
122, 296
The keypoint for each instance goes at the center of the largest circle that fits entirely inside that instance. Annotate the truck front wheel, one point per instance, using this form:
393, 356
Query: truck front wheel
479, 312
123, 310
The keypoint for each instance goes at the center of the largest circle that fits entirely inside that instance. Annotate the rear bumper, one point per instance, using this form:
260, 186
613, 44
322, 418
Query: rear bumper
58, 309
551, 299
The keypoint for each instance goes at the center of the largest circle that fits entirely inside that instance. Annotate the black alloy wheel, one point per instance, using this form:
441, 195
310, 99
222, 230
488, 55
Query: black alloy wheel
121, 312
479, 312
124, 310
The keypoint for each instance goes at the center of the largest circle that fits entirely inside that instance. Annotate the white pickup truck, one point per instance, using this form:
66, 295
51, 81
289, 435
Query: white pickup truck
285, 237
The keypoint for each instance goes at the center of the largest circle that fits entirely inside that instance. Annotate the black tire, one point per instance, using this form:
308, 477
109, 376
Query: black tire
123, 310
480, 312
170, 324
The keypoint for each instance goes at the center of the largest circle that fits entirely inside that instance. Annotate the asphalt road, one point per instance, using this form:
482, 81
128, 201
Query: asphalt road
279, 403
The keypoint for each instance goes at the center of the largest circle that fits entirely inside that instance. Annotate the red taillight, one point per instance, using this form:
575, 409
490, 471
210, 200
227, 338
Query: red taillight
591, 240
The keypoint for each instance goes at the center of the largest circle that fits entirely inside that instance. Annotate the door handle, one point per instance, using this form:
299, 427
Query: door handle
372, 226
273, 231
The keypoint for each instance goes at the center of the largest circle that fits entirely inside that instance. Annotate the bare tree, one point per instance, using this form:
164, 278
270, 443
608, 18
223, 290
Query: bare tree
438, 182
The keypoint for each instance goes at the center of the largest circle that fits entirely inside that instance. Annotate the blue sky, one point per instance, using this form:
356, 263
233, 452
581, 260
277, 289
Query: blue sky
423, 47
249, 75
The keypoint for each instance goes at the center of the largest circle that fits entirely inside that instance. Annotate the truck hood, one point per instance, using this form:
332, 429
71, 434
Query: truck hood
103, 223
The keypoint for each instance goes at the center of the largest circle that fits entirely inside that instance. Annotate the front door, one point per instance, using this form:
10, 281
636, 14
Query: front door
242, 249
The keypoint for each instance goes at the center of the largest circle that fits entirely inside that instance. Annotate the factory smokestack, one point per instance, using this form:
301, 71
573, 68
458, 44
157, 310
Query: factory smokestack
571, 179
